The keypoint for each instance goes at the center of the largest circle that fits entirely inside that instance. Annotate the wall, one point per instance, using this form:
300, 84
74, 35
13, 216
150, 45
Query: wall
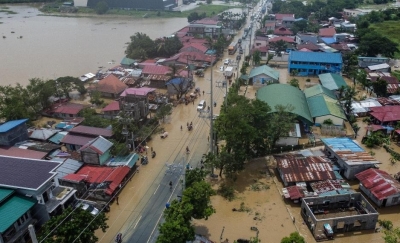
15, 135
257, 80
391, 200
336, 120
105, 157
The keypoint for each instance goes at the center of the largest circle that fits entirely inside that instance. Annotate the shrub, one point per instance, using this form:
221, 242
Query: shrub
226, 191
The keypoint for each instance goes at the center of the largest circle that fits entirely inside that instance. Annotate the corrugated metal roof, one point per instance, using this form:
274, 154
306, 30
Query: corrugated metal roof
320, 57
99, 145
296, 168
328, 185
13, 209
58, 137
342, 144
92, 131
317, 90
332, 81
264, 69
322, 105
22, 153
69, 166
5, 127
5, 193
379, 183
43, 133
354, 158
76, 139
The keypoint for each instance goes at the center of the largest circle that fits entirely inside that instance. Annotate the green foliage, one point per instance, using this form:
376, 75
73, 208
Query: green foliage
243, 70
195, 175
380, 87
167, 46
347, 94
226, 191
164, 111
196, 16
270, 56
279, 47
119, 149
294, 237
101, 7
141, 47
93, 119
327, 122
367, 120
256, 57
198, 195
95, 98
294, 82
208, 1
374, 139
70, 229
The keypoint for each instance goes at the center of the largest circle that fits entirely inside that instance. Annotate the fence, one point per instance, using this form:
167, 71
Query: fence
335, 131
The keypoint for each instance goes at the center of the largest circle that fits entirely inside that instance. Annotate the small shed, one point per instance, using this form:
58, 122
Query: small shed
96, 151
263, 75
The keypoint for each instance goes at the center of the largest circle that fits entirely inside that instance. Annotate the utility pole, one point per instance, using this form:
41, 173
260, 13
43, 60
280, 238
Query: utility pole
211, 117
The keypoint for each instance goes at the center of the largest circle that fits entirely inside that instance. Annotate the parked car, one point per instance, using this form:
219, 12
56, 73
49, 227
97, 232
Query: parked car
91, 209
241, 51
227, 61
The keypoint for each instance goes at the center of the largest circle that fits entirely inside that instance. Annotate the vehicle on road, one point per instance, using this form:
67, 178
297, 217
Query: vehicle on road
91, 209
396, 66
202, 105
227, 61
241, 51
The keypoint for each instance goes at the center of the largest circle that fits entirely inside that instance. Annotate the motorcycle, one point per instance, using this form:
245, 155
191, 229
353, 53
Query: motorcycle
153, 154
118, 239
144, 160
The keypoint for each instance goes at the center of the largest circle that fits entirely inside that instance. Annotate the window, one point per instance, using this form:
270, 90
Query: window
395, 200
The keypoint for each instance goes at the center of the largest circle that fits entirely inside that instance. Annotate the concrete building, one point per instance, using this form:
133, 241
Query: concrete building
263, 75
380, 187
364, 62
349, 156
303, 38
13, 132
205, 27
314, 63
326, 216
136, 100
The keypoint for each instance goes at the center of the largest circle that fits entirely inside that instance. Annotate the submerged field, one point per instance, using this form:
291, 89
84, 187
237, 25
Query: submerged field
391, 30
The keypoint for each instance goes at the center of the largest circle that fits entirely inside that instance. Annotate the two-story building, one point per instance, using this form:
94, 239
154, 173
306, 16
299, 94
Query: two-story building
81, 135
205, 27
136, 100
314, 63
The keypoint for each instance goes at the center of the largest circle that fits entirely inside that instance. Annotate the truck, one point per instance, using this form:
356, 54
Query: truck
232, 48
228, 72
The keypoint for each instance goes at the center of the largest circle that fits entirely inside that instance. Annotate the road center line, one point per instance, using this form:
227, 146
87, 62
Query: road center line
156, 189
138, 221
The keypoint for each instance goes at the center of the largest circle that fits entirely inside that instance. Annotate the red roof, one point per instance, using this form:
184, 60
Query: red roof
191, 39
76, 139
197, 46
92, 131
195, 57
305, 49
21, 153
279, 16
283, 31
94, 174
386, 113
294, 192
310, 46
113, 106
155, 70
111, 84
261, 49
379, 183
284, 38
68, 108
327, 32
270, 24
207, 21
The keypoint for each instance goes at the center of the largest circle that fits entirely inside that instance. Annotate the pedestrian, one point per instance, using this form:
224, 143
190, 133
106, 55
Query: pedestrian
151, 148
181, 127
117, 200
203, 92
208, 138
137, 169
187, 124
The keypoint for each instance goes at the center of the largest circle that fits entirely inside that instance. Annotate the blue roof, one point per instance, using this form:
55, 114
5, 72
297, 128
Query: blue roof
321, 57
342, 144
11, 124
57, 137
176, 80
328, 40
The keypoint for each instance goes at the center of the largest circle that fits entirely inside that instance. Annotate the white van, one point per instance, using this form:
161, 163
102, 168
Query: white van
201, 105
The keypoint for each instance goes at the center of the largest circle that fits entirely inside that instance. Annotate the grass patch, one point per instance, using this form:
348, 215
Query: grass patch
7, 11
396, 73
391, 30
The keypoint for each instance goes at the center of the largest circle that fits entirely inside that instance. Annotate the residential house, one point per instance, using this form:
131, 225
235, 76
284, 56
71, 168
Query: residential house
324, 108
101, 182
263, 75
38, 146
327, 32
332, 81
194, 47
393, 84
347, 26
380, 187
317, 90
343, 48
385, 115
336, 214
314, 63
294, 168
355, 12
269, 26
305, 38
178, 85
81, 135
284, 94
263, 52
260, 41
111, 110
309, 46
156, 75
12, 132
283, 31
193, 59
205, 27
384, 67
349, 156
16, 215
136, 101
364, 62
36, 179
22, 153
110, 86
65, 110
288, 21
41, 134
96, 151
128, 62
286, 39
334, 21
279, 17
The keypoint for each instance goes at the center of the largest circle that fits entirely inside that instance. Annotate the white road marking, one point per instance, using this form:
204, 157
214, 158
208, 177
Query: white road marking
156, 189
137, 221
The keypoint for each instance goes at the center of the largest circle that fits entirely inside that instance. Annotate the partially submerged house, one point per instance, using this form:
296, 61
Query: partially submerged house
12, 132
81, 135
110, 86
111, 110
332, 81
96, 151
263, 75
65, 110
323, 109
136, 101
380, 187
178, 85
385, 115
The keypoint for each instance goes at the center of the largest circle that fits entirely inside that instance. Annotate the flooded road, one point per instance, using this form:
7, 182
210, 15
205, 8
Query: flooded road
50, 47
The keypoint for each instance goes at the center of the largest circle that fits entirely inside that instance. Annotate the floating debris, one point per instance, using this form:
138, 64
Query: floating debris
12, 32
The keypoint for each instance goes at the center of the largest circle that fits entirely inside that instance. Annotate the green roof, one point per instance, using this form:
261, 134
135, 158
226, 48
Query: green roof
12, 209
322, 105
264, 70
332, 81
5, 193
127, 61
317, 90
284, 94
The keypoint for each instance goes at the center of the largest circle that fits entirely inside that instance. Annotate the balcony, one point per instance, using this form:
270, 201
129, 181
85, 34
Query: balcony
60, 195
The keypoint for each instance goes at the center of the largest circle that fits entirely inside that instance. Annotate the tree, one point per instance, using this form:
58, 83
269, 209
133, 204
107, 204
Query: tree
243, 70
71, 229
141, 47
374, 139
349, 93
294, 237
93, 119
95, 98
66, 84
101, 7
195, 175
280, 122
350, 67
380, 87
256, 57
198, 195
279, 47
372, 43
294, 82
208, 1
270, 56
164, 111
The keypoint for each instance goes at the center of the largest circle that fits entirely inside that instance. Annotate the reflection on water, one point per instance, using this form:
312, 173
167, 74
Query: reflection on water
51, 47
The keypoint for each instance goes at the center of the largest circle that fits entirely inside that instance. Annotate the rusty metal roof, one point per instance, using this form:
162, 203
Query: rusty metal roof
296, 168
353, 158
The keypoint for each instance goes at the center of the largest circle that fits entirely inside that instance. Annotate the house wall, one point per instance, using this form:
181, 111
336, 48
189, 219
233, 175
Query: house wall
336, 120
16, 233
390, 201
110, 114
90, 157
105, 157
313, 68
108, 95
258, 43
14, 135
262, 80
172, 90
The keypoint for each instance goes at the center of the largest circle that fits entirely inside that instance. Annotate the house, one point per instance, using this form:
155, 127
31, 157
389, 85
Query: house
355, 12
279, 17
336, 214
263, 75
349, 156
332, 81
81, 135
205, 27
263, 52
66, 110
384, 67
269, 26
323, 108
309, 46
304, 38
12, 132
380, 187
22, 153
260, 41
364, 62
102, 182
286, 39
362, 108
294, 168
326, 32
16, 215
288, 21
111, 110
42, 134
196, 59
177, 86
284, 94
393, 84
283, 31
194, 47
36, 179
347, 26
314, 63
110, 86
136, 100
38, 146
385, 115
317, 90
128, 62
96, 151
